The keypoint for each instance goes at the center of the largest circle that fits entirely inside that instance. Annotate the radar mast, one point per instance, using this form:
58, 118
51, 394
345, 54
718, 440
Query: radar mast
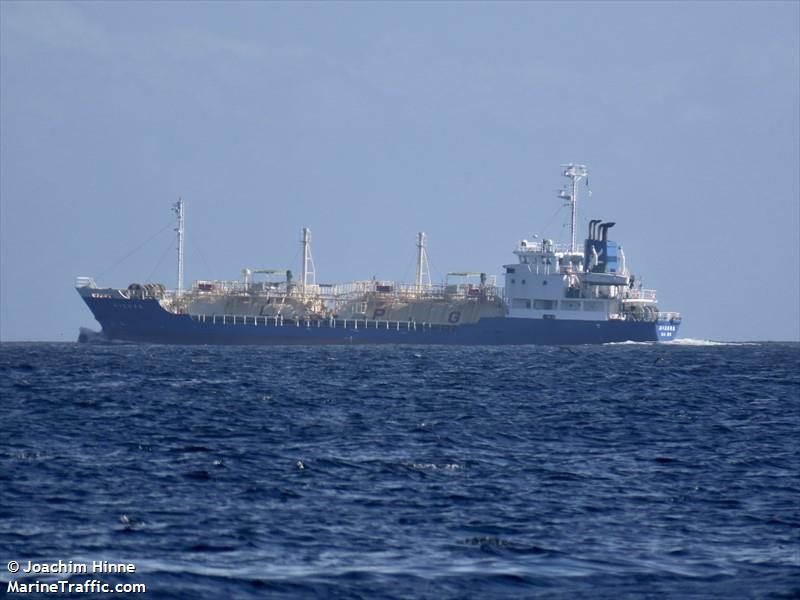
575, 173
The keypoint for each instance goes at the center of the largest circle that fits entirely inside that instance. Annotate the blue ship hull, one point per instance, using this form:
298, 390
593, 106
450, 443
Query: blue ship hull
146, 321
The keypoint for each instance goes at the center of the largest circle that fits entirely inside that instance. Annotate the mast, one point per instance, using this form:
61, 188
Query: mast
422, 262
179, 210
575, 173
308, 261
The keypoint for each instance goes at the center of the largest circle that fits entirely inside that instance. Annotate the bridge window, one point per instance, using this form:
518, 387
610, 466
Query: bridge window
520, 303
544, 304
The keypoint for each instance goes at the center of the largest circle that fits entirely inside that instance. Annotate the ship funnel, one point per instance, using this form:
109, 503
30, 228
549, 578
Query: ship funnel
592, 224
606, 227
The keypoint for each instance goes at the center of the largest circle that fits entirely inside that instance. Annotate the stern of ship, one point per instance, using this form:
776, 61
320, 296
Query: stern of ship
667, 325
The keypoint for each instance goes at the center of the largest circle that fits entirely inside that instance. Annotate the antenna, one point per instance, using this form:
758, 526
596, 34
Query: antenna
423, 270
178, 210
308, 262
575, 173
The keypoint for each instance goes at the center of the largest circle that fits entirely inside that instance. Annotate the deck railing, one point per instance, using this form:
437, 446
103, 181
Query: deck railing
355, 324
643, 294
81, 282
669, 316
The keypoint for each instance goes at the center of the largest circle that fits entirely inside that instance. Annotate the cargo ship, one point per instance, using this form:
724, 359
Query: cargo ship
552, 294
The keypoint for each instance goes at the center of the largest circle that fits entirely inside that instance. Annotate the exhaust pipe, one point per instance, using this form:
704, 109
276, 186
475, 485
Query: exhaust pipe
592, 224
606, 227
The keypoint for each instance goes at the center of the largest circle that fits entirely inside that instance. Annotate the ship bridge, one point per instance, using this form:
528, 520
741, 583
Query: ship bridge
554, 281
545, 256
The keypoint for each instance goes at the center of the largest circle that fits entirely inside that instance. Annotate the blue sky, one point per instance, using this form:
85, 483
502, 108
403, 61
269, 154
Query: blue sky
368, 122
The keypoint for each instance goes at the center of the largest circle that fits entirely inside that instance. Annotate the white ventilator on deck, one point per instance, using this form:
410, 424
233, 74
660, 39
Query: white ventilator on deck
575, 173
423, 271
179, 210
308, 262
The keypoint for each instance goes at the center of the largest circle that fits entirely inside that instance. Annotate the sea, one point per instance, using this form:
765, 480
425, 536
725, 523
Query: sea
616, 471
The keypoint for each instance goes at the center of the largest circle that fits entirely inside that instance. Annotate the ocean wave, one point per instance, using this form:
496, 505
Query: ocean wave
496, 472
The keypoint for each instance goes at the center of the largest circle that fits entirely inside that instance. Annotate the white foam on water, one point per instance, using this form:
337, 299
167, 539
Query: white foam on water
696, 342
432, 466
682, 342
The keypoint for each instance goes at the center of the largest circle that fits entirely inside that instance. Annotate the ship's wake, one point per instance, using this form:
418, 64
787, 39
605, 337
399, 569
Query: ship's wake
696, 342
90, 336
682, 342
